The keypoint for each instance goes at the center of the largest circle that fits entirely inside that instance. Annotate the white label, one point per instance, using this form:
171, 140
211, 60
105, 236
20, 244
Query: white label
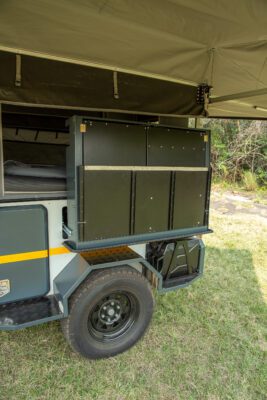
4, 287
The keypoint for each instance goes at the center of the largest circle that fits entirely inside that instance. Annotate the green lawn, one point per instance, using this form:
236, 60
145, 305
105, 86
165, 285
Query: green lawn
207, 341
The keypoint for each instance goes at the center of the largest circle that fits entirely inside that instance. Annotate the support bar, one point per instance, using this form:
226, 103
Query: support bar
237, 96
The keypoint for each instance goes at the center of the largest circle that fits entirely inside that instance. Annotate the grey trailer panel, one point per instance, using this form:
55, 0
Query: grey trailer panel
152, 202
189, 199
107, 200
24, 230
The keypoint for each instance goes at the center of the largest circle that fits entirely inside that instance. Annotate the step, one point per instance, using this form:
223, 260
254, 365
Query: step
180, 281
29, 312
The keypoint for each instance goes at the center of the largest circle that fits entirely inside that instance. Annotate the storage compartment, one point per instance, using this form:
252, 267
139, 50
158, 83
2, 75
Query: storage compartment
130, 182
34, 162
178, 148
152, 201
105, 212
190, 199
112, 143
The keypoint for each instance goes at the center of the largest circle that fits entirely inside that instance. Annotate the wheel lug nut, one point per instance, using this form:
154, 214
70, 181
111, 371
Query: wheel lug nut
104, 308
118, 307
103, 316
112, 303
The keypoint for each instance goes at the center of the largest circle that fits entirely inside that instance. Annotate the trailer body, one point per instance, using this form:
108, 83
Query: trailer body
136, 195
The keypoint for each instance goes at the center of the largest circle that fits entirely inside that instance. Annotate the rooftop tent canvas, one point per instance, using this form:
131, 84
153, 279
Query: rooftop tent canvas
137, 54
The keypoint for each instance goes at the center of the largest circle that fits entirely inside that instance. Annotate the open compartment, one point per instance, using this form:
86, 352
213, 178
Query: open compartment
34, 159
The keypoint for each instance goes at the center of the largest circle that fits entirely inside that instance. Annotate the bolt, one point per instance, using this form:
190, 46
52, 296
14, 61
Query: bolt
116, 315
118, 307
109, 319
112, 303
105, 307
103, 316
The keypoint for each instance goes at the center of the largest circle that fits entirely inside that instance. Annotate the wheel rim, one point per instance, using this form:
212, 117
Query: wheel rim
113, 316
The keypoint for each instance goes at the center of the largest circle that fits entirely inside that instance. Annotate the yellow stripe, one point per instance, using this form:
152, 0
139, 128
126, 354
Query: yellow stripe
32, 255
23, 256
58, 250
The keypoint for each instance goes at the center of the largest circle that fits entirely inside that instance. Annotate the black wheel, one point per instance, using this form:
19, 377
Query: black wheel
109, 313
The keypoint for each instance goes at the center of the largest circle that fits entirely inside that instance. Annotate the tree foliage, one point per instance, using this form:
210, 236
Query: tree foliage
238, 147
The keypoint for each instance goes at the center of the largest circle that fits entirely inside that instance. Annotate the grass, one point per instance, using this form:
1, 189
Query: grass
207, 341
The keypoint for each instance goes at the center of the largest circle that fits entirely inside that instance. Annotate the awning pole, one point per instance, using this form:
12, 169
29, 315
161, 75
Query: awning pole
237, 96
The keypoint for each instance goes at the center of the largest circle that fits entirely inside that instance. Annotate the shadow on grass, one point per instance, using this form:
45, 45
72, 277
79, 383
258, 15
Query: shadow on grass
205, 342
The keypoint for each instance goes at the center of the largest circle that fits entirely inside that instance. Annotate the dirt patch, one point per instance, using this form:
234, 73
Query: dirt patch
236, 203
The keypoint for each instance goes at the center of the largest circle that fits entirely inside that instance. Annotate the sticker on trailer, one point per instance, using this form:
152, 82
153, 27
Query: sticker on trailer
4, 287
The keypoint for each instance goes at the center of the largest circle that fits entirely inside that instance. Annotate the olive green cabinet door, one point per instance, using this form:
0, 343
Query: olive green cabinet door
106, 204
152, 201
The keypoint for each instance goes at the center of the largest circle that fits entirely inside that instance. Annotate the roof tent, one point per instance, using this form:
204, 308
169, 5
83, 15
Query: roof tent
171, 57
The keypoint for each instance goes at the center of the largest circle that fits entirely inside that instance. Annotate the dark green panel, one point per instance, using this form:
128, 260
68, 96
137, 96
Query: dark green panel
189, 199
152, 201
108, 143
175, 147
106, 204
24, 229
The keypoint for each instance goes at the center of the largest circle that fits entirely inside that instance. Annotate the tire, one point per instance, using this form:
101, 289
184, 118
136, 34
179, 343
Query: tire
108, 313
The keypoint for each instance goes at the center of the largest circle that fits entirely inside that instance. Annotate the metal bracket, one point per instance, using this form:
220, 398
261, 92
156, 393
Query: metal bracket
203, 91
67, 230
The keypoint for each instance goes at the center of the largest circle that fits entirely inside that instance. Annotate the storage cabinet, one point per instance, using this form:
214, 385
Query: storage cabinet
136, 181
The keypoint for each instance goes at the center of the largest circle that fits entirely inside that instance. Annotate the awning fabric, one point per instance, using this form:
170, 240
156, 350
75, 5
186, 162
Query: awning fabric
160, 50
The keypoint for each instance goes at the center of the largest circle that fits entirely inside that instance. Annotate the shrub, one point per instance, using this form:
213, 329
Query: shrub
249, 181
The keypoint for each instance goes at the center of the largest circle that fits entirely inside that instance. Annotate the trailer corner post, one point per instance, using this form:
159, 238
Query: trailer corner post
1, 156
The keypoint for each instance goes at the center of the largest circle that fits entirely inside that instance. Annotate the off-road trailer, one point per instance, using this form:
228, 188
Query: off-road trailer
137, 194
85, 244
